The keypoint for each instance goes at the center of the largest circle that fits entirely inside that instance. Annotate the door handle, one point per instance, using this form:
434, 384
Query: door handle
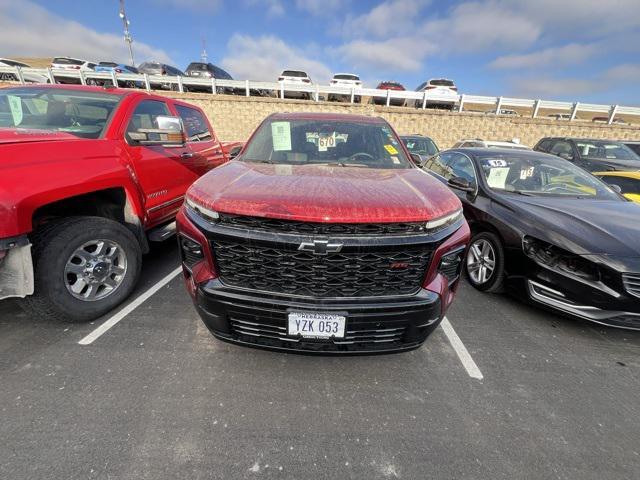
185, 155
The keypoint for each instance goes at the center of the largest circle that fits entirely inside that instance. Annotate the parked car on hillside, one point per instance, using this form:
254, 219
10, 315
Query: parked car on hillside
303, 262
209, 71
616, 121
560, 116
445, 90
161, 69
591, 154
392, 86
420, 145
89, 177
29, 77
71, 64
479, 143
345, 80
627, 182
547, 231
108, 67
295, 78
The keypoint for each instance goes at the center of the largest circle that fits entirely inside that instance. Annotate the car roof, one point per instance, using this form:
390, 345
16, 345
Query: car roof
346, 117
112, 91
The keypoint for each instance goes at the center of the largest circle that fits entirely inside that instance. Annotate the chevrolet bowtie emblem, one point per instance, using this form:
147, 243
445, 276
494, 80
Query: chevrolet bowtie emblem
320, 247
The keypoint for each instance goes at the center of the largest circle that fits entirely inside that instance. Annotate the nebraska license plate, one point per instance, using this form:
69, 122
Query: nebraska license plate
316, 325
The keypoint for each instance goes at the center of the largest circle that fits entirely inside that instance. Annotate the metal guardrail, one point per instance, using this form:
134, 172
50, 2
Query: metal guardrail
314, 91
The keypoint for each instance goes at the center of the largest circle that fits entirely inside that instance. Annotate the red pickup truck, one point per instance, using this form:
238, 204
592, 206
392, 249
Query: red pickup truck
87, 177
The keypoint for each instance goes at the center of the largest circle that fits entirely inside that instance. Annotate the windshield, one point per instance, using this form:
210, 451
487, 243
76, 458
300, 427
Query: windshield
197, 66
293, 73
541, 175
327, 142
441, 83
84, 114
605, 150
345, 77
421, 146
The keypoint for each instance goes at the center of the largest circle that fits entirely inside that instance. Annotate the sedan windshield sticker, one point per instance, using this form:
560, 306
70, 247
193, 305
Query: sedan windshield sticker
281, 136
326, 141
526, 173
497, 177
15, 104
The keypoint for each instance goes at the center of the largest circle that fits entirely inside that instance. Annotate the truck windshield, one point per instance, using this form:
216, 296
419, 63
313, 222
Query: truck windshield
83, 114
327, 142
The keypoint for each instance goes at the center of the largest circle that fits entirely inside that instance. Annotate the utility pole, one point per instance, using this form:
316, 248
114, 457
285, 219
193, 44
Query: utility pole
127, 35
203, 55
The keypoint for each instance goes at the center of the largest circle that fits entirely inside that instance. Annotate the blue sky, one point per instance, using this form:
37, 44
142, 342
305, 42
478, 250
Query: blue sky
582, 50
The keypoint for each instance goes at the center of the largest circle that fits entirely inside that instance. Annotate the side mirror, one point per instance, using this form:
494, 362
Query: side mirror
460, 183
233, 153
566, 155
417, 159
169, 133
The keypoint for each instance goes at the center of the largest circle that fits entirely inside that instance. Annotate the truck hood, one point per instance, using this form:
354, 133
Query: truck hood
317, 193
25, 135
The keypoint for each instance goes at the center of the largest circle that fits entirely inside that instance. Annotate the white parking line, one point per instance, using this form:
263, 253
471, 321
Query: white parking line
462, 352
98, 332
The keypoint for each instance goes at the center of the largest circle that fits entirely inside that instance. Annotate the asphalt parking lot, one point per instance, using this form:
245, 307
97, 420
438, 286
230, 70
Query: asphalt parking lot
155, 396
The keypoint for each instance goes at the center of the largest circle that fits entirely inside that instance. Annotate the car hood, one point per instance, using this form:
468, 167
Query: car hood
582, 226
25, 135
317, 193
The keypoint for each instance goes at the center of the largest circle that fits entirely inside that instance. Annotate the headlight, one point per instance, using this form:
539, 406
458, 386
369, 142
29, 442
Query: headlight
560, 260
445, 221
197, 208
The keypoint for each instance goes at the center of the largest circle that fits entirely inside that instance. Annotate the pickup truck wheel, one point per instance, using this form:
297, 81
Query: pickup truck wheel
83, 268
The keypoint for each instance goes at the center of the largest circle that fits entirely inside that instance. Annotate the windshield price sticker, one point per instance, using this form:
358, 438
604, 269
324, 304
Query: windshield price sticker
496, 163
325, 142
498, 177
526, 173
281, 136
15, 104
391, 149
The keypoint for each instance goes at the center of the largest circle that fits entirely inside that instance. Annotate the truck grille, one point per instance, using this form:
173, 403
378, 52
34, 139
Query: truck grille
632, 283
309, 228
369, 271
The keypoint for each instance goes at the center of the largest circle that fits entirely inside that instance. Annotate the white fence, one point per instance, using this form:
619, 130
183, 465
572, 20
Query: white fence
314, 91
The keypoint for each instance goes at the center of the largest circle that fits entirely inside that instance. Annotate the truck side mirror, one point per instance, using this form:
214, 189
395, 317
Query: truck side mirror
169, 133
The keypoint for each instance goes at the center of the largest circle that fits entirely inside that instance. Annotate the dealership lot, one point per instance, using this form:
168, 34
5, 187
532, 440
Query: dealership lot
157, 397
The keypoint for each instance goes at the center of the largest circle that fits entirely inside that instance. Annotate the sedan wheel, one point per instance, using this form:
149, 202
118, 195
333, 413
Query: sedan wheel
485, 262
481, 261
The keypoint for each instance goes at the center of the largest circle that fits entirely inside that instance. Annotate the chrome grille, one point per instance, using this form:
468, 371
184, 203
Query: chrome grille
632, 283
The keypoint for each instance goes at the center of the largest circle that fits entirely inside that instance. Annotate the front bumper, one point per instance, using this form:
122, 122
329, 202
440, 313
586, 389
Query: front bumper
374, 324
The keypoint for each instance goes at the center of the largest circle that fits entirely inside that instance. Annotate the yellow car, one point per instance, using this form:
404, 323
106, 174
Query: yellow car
629, 182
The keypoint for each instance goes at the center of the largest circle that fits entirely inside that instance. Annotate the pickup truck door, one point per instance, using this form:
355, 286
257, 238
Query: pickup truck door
205, 147
164, 173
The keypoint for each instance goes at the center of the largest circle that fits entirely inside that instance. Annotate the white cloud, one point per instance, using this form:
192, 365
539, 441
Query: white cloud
264, 58
397, 54
28, 30
320, 7
549, 87
558, 57
386, 19
273, 8
625, 73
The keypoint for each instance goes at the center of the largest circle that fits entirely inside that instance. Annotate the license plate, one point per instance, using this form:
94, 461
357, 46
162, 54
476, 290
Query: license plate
316, 325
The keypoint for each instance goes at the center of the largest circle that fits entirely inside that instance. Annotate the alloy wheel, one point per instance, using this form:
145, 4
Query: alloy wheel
481, 261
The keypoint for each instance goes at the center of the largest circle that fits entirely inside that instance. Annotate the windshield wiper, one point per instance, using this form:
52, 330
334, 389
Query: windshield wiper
271, 162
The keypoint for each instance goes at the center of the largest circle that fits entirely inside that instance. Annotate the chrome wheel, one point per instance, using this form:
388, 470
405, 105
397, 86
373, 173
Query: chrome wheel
95, 270
481, 261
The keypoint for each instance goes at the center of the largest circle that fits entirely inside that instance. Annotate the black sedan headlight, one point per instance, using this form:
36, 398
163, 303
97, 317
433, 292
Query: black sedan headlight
560, 260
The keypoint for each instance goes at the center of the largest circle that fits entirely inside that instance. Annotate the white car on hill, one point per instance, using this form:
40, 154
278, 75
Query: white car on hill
29, 77
345, 80
295, 78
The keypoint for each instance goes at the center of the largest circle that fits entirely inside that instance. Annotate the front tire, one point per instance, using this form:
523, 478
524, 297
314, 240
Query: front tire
83, 268
484, 263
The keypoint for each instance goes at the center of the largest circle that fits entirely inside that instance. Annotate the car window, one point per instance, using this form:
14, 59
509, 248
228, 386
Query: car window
145, 116
562, 148
605, 150
293, 73
627, 185
544, 145
441, 83
421, 146
361, 144
67, 61
438, 164
460, 165
195, 124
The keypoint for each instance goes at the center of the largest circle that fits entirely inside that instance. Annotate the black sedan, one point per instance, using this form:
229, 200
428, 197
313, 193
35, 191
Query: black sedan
547, 231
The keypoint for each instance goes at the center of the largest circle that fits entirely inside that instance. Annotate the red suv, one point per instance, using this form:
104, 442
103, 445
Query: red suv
322, 236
